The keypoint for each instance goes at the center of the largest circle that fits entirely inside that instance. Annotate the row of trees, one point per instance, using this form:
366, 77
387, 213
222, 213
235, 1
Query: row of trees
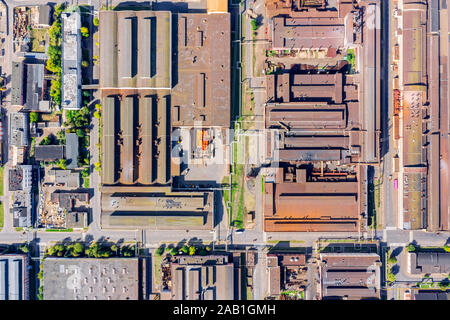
54, 54
184, 250
95, 250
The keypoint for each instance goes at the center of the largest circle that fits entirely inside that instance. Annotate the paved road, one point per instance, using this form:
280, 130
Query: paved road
388, 149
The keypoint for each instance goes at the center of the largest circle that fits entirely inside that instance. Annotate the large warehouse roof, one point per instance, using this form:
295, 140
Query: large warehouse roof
135, 49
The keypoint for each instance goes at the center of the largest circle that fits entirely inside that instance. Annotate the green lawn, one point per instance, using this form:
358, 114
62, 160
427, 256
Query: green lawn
59, 230
157, 267
37, 36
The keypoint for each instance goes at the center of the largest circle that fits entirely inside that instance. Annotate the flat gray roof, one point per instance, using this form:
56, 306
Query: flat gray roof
91, 279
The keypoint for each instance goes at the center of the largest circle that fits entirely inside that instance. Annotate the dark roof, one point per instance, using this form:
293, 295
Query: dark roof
34, 88
72, 150
77, 220
67, 200
17, 83
432, 295
431, 262
48, 153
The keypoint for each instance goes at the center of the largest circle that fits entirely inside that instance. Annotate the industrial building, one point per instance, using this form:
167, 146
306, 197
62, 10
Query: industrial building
71, 60
146, 93
305, 200
48, 152
202, 94
424, 116
14, 277
138, 207
20, 182
429, 262
18, 129
29, 86
287, 272
322, 113
431, 295
203, 278
294, 8
92, 279
350, 276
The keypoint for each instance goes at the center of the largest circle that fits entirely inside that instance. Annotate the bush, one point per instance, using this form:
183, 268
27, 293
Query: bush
97, 115
85, 64
185, 249
447, 248
174, 251
96, 22
192, 250
411, 248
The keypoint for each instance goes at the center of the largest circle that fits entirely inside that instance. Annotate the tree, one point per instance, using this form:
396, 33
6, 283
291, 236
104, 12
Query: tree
254, 24
24, 248
59, 247
80, 133
392, 260
96, 22
114, 248
159, 251
84, 32
44, 142
174, 251
34, 117
85, 63
447, 248
411, 248
85, 173
78, 248
97, 115
51, 251
62, 163
97, 166
391, 277
191, 250
61, 136
185, 249
98, 106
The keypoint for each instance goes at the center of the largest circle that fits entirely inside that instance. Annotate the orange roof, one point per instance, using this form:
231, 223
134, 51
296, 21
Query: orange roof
214, 6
